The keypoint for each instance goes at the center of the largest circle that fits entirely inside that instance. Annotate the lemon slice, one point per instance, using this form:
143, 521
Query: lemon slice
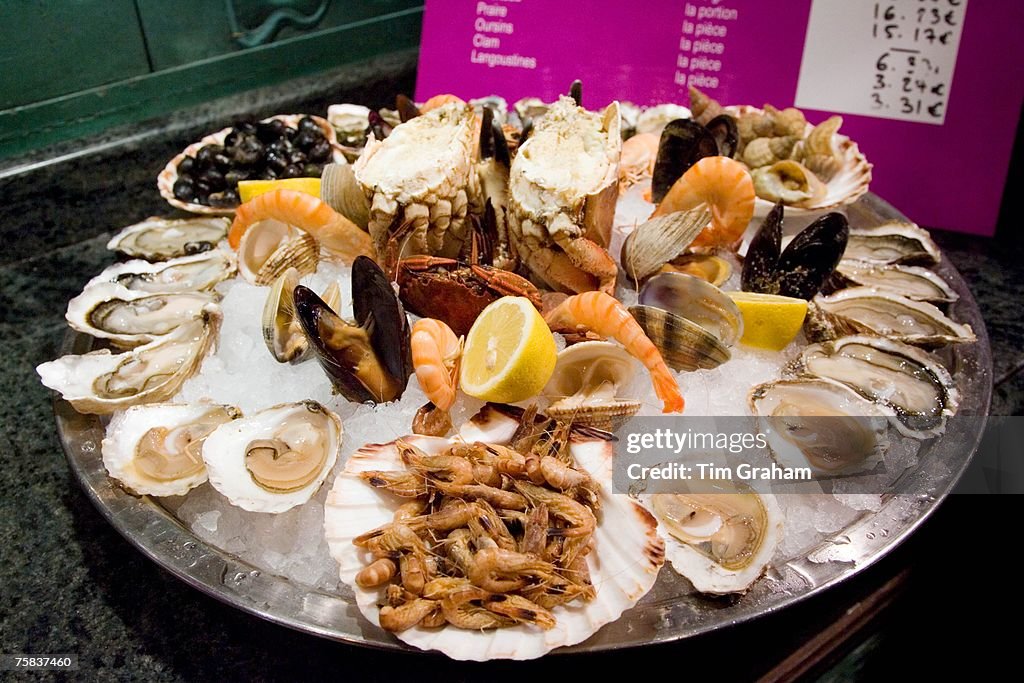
247, 189
509, 353
769, 321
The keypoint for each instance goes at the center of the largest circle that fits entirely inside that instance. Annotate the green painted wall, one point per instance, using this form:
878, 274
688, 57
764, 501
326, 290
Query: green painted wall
76, 67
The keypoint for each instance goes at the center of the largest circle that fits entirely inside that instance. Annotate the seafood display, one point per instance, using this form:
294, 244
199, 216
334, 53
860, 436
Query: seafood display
476, 508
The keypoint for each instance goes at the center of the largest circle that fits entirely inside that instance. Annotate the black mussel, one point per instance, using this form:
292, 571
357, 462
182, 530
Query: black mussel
375, 305
378, 126
321, 151
233, 137
683, 143
246, 126
280, 146
492, 139
268, 174
268, 131
222, 161
527, 129
807, 262
308, 123
297, 157
406, 109
186, 166
225, 199
576, 92
184, 188
727, 135
202, 189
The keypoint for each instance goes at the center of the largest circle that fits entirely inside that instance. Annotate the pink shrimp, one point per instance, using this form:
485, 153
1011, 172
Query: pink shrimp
435, 356
335, 233
726, 187
606, 316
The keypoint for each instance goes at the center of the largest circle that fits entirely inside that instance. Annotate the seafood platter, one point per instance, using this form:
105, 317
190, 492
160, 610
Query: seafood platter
371, 387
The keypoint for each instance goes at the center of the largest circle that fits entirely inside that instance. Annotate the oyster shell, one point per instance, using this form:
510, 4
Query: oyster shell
102, 382
654, 119
698, 301
683, 344
910, 382
156, 450
913, 282
197, 273
623, 566
269, 248
873, 311
894, 242
721, 539
350, 122
821, 424
275, 459
585, 384
159, 239
130, 317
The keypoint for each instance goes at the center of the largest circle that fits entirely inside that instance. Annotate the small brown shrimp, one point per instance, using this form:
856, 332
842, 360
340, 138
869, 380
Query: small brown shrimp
500, 571
377, 573
460, 613
406, 616
414, 573
726, 187
435, 356
520, 610
450, 468
508, 500
560, 475
535, 533
485, 522
579, 517
398, 482
606, 316
338, 235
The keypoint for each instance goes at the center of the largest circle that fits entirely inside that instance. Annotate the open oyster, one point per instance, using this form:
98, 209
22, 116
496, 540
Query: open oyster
157, 450
907, 380
720, 539
102, 382
873, 311
821, 424
197, 273
159, 239
275, 459
129, 317
585, 384
894, 242
913, 282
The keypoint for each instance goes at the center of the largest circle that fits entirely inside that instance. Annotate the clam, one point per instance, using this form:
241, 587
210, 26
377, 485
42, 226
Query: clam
157, 450
708, 267
683, 344
159, 239
894, 242
659, 240
873, 311
913, 282
102, 382
722, 538
654, 119
282, 331
130, 318
585, 384
370, 360
804, 266
821, 424
338, 187
196, 273
698, 301
908, 381
270, 247
275, 459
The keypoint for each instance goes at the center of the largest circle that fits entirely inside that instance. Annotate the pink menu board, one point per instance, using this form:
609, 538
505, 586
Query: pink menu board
930, 89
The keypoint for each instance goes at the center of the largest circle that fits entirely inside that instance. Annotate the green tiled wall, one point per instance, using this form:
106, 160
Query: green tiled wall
75, 67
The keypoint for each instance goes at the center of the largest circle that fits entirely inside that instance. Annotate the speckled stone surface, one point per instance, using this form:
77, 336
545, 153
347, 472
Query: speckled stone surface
70, 584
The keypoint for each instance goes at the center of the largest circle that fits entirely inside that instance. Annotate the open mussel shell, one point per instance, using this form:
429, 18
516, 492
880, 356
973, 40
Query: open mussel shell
907, 380
683, 143
270, 247
913, 282
129, 318
801, 270
196, 273
697, 301
866, 310
708, 267
159, 239
894, 242
282, 331
376, 306
585, 384
657, 241
684, 345
101, 382
821, 424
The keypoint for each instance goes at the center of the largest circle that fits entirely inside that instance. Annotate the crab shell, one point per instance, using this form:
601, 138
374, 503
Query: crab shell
624, 564
422, 172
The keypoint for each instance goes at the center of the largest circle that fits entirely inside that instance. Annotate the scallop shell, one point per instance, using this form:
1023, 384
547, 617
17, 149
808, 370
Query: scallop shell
169, 175
197, 273
628, 551
182, 237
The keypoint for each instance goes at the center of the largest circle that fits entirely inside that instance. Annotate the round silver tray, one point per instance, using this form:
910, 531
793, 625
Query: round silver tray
669, 612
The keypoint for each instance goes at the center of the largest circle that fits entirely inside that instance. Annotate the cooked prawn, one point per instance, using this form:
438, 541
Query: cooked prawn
435, 355
336, 234
606, 316
439, 101
726, 187
637, 159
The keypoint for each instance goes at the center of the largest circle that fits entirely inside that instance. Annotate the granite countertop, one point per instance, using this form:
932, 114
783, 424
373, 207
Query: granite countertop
71, 584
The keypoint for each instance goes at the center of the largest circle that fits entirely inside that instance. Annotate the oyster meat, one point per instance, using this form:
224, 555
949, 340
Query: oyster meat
197, 273
159, 239
913, 282
894, 242
275, 459
157, 450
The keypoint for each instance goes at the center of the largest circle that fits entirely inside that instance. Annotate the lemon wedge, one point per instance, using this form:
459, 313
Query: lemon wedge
247, 189
509, 353
769, 321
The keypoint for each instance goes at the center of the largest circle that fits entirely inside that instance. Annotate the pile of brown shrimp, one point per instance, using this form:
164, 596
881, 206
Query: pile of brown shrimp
491, 536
